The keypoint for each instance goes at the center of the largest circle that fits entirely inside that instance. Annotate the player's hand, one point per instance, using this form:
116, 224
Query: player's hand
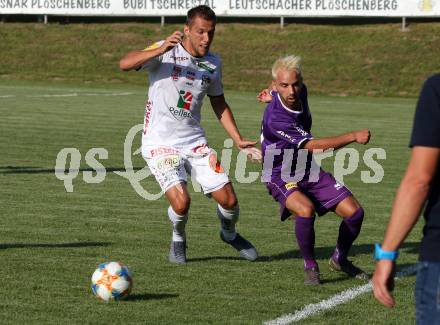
264, 96
383, 282
171, 41
252, 153
362, 136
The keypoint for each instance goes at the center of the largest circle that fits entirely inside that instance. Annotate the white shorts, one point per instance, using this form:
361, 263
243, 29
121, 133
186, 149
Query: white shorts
170, 167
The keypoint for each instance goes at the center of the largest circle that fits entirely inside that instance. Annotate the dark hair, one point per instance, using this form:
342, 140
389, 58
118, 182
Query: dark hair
200, 11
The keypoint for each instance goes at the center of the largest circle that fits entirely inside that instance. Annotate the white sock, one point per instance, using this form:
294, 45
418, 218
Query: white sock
179, 223
228, 220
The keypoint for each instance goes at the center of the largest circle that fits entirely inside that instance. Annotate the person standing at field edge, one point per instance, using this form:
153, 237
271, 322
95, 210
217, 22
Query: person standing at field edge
420, 185
182, 71
300, 189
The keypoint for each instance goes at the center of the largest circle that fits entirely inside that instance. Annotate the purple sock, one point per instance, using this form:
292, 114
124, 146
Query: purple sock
348, 232
305, 236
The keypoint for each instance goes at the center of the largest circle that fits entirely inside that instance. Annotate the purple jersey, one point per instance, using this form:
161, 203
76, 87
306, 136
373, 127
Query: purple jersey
284, 132
283, 128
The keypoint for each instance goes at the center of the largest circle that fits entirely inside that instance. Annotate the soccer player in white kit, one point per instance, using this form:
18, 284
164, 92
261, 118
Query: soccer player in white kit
182, 71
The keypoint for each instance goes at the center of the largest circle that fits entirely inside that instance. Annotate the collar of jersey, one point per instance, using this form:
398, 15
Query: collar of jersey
287, 108
190, 56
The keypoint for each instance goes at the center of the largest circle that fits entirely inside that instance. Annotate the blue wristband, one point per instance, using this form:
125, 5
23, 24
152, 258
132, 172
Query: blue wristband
384, 255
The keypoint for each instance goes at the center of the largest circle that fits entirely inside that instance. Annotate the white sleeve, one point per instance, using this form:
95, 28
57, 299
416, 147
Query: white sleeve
151, 64
216, 86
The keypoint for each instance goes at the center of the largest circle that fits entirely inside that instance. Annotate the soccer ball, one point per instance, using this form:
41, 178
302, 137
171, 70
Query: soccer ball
111, 281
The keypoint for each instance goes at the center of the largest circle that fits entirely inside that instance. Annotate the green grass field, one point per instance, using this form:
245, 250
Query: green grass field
51, 241
338, 59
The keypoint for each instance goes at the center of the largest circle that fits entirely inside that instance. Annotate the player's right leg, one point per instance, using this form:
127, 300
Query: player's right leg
293, 201
301, 206
179, 199
167, 166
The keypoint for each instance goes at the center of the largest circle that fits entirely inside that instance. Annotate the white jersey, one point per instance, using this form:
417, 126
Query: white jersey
178, 84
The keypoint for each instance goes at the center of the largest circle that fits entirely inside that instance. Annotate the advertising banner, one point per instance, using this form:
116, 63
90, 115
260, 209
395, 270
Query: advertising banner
236, 8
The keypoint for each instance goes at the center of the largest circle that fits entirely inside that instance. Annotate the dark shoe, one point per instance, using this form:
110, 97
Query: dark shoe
348, 268
312, 276
244, 247
177, 252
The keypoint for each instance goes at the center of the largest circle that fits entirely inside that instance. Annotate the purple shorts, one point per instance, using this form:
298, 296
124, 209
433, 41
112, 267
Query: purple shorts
325, 194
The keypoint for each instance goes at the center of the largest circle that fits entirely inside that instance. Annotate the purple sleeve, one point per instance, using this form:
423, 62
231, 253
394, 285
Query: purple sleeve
290, 133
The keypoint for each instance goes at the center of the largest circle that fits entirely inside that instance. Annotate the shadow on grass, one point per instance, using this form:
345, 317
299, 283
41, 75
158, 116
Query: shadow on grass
151, 296
326, 252
39, 170
339, 279
53, 245
209, 258
320, 252
406, 269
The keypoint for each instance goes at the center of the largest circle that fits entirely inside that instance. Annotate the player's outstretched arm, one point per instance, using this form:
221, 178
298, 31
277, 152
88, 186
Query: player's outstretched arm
360, 136
135, 59
410, 197
226, 118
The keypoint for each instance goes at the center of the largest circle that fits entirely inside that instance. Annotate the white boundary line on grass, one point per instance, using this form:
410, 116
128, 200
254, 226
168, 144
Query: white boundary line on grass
348, 102
78, 94
340, 298
339, 100
69, 95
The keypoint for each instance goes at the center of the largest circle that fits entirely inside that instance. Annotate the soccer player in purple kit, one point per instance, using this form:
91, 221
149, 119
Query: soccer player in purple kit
286, 131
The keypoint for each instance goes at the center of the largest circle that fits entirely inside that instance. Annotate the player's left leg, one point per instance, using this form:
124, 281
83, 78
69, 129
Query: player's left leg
228, 212
207, 171
353, 215
329, 195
